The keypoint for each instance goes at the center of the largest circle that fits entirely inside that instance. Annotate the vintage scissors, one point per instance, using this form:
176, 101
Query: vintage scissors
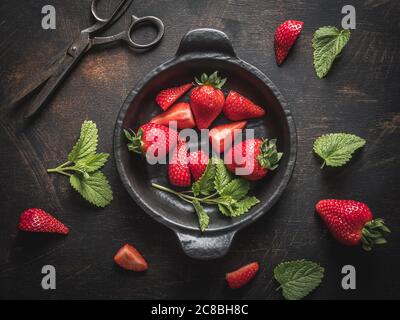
62, 65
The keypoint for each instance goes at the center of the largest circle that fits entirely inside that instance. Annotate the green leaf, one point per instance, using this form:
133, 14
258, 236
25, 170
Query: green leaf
87, 142
225, 205
222, 175
328, 42
337, 148
237, 189
92, 162
243, 206
204, 219
205, 185
94, 188
298, 278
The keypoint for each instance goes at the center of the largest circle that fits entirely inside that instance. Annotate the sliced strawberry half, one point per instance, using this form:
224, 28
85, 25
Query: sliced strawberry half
242, 276
285, 37
167, 97
129, 258
179, 112
223, 136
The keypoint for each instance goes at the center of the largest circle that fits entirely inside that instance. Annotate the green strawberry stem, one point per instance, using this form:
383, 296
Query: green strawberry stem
212, 80
373, 233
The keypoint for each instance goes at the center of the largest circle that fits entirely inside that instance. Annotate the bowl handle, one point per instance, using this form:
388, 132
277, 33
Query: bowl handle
205, 247
205, 40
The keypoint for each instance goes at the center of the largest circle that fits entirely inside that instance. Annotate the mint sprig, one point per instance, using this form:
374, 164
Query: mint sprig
216, 187
83, 167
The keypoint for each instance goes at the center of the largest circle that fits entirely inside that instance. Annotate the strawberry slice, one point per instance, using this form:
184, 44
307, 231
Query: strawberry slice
223, 136
198, 161
129, 258
238, 108
38, 220
167, 97
178, 168
285, 37
242, 276
179, 112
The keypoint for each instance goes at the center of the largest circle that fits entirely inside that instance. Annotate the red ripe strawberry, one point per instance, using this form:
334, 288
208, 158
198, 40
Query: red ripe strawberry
207, 100
242, 276
180, 112
37, 220
237, 108
351, 222
167, 97
178, 168
152, 137
225, 134
198, 161
129, 258
285, 37
254, 156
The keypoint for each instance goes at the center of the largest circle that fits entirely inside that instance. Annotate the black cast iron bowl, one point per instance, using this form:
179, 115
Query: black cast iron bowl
203, 50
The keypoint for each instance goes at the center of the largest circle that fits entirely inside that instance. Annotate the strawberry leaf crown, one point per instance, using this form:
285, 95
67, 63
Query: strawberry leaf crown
269, 156
212, 80
373, 233
135, 140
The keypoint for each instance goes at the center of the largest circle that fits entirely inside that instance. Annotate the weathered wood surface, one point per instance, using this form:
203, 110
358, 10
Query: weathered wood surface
361, 95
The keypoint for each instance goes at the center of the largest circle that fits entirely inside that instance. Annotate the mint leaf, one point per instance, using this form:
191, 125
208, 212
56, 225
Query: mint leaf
298, 278
336, 149
225, 205
205, 185
92, 162
204, 219
87, 142
237, 189
222, 175
94, 188
243, 206
328, 42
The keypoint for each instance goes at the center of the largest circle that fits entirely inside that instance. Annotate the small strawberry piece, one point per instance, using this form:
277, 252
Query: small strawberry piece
242, 276
285, 37
129, 258
152, 137
167, 97
207, 99
37, 220
351, 222
238, 108
180, 112
223, 136
254, 156
178, 168
198, 161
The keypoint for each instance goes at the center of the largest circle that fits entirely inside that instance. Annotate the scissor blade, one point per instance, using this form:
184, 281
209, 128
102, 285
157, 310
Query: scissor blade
71, 58
31, 85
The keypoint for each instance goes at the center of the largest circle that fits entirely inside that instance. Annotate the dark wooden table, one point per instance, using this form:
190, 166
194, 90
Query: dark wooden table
361, 95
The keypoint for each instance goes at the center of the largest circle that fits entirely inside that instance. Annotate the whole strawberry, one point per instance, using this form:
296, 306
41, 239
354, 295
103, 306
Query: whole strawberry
167, 97
198, 161
178, 168
351, 222
285, 37
253, 157
207, 99
153, 138
37, 220
242, 276
238, 108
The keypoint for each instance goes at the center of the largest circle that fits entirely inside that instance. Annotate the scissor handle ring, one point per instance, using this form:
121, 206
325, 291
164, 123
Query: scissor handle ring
147, 19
